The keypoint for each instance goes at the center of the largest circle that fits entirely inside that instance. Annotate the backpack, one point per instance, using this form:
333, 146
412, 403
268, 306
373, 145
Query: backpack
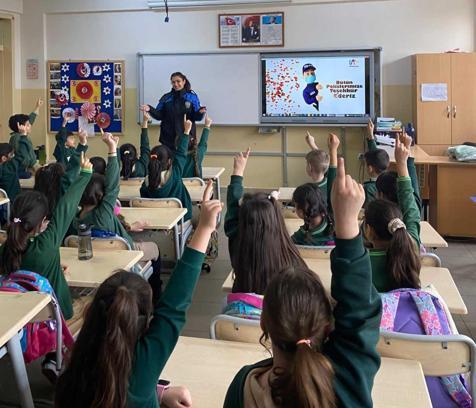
39, 338
433, 324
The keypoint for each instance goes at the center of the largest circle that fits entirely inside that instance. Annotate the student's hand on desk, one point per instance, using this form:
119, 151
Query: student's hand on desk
85, 163
187, 125
138, 226
83, 136
145, 108
208, 121
239, 163
370, 130
176, 397
347, 197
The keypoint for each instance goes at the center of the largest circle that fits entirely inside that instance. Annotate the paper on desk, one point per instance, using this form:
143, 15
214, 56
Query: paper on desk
434, 92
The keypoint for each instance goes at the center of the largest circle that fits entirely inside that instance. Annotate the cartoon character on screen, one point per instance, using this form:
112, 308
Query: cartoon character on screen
311, 91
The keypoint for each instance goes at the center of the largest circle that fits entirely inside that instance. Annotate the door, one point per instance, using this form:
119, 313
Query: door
463, 110
433, 119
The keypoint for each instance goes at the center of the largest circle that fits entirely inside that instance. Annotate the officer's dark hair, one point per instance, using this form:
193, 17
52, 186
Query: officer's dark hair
378, 159
188, 86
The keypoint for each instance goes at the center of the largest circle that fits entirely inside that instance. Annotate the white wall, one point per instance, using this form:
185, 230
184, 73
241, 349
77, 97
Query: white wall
11, 6
401, 27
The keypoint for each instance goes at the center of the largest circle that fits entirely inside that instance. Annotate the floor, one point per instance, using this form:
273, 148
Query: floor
459, 258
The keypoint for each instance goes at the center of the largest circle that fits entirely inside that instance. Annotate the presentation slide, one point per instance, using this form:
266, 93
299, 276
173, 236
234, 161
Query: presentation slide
326, 86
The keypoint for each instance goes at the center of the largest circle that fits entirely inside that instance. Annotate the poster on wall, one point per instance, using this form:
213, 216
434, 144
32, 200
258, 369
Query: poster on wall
86, 94
251, 30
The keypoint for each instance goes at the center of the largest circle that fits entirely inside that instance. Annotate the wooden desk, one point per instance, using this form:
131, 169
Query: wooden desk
293, 224
440, 278
131, 190
157, 218
94, 271
21, 307
430, 237
4, 200
27, 183
286, 194
212, 172
399, 383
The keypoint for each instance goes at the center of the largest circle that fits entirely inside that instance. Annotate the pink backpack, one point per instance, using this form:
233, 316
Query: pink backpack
39, 338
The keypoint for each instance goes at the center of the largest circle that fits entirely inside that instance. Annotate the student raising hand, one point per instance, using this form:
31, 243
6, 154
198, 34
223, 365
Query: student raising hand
110, 141
370, 130
208, 121
347, 196
402, 153
187, 125
86, 164
311, 142
83, 136
239, 163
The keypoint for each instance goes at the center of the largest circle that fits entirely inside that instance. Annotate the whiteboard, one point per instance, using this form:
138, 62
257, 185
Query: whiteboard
227, 83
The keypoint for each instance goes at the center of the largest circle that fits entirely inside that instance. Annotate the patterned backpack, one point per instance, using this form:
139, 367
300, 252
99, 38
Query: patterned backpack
39, 338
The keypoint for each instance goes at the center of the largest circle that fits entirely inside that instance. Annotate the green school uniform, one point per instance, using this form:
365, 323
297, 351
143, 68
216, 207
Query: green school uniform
62, 153
140, 166
155, 347
173, 187
9, 178
23, 147
351, 347
42, 254
318, 236
370, 187
189, 168
233, 196
325, 186
102, 217
411, 217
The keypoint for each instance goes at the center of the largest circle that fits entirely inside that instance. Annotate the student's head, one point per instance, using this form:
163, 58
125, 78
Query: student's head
70, 140
128, 155
377, 162
6, 152
180, 81
385, 230
48, 182
264, 246
94, 191
19, 119
386, 184
99, 165
27, 218
98, 371
317, 164
161, 158
297, 318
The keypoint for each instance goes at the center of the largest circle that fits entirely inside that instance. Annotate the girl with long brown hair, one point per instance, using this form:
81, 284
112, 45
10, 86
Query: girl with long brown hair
126, 341
318, 362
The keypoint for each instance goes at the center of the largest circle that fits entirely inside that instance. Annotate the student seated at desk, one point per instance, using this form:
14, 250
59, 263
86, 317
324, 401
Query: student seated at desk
97, 209
126, 341
164, 178
258, 242
99, 165
131, 165
376, 161
196, 152
321, 358
9, 164
66, 144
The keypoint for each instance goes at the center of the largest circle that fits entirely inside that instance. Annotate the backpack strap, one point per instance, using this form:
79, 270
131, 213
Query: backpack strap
389, 310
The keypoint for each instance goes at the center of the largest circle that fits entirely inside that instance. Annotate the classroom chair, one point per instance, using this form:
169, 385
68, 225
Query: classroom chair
232, 328
112, 243
184, 231
430, 259
289, 212
439, 356
315, 252
193, 182
3, 194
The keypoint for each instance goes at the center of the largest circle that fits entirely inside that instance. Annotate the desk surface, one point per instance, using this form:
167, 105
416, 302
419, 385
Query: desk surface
399, 383
212, 172
132, 190
440, 278
94, 271
4, 200
27, 183
286, 193
157, 218
22, 307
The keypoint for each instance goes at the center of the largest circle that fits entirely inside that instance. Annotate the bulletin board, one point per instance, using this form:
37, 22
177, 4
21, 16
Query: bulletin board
90, 93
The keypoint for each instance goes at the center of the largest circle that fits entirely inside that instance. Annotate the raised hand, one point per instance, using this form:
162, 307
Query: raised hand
333, 141
208, 121
311, 142
85, 163
82, 136
240, 161
187, 125
145, 108
22, 129
402, 153
370, 129
177, 397
347, 197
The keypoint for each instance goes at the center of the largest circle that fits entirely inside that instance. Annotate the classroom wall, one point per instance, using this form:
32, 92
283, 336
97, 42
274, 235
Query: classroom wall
118, 29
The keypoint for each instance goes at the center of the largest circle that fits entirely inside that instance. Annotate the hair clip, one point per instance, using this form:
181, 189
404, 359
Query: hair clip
274, 194
153, 156
17, 220
127, 152
395, 224
307, 342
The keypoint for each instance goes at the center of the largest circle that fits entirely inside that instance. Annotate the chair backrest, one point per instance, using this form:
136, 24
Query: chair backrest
289, 212
315, 252
193, 182
156, 203
430, 259
231, 328
439, 355
132, 181
99, 243
3, 193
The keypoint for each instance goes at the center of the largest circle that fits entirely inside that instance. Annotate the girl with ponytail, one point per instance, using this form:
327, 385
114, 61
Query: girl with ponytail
126, 341
164, 179
394, 231
131, 165
321, 358
196, 152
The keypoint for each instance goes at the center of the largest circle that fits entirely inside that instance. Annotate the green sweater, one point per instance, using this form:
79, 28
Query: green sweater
233, 196
155, 347
140, 166
62, 153
174, 187
23, 147
42, 254
9, 178
318, 236
411, 217
369, 186
351, 346
102, 217
189, 168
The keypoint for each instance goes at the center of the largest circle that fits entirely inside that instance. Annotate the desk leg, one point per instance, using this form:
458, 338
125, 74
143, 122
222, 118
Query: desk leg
19, 370
218, 197
178, 244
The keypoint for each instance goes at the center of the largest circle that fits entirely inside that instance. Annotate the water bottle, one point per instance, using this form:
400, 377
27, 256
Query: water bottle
85, 248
